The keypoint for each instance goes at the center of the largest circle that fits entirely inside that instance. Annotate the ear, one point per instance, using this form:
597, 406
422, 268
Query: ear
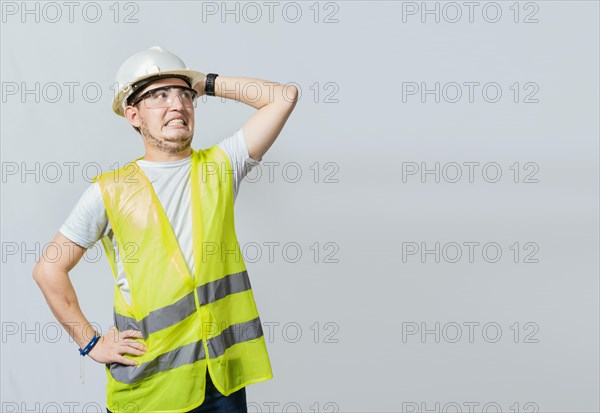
133, 116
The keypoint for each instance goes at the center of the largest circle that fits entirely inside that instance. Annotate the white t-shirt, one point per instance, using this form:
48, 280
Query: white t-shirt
88, 221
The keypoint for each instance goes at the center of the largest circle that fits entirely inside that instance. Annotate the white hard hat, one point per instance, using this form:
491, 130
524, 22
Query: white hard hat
146, 65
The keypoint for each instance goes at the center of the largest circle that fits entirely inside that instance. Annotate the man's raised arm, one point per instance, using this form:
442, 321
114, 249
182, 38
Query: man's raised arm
274, 102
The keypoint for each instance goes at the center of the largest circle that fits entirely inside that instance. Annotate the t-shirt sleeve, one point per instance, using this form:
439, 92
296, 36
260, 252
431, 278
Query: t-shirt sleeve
235, 147
87, 222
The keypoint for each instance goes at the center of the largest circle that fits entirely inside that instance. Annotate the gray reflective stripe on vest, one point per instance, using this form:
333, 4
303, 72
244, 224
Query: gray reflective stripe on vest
189, 353
230, 284
234, 334
159, 319
174, 313
181, 356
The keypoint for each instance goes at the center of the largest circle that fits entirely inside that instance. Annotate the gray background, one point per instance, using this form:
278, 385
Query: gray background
359, 361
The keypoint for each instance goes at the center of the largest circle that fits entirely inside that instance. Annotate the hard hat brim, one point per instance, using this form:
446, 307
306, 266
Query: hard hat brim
124, 92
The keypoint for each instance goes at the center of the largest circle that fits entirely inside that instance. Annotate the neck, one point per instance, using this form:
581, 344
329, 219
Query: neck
158, 156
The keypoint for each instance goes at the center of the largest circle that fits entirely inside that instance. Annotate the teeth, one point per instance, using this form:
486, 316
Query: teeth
175, 121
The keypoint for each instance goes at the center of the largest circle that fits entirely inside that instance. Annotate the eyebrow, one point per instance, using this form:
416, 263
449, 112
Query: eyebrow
168, 87
147, 92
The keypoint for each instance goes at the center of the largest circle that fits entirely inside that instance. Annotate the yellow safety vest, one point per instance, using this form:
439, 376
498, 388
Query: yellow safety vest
188, 323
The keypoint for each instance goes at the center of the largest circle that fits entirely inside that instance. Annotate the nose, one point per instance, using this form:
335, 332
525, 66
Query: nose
177, 102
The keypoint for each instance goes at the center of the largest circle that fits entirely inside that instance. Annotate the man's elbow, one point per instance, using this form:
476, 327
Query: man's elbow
40, 272
37, 273
290, 94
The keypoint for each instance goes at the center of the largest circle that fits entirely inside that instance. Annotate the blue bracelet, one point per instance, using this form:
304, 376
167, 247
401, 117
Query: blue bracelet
90, 345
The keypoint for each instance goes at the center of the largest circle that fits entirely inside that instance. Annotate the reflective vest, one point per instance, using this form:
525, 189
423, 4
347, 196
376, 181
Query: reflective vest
189, 324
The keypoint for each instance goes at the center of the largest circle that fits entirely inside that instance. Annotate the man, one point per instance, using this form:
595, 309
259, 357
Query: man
188, 336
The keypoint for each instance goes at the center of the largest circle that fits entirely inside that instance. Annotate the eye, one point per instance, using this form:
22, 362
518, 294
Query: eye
161, 94
185, 95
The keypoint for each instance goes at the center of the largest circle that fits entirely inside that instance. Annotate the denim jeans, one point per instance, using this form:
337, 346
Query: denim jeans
215, 402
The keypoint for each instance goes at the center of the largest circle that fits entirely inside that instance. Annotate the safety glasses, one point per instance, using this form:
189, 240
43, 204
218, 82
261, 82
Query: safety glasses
164, 97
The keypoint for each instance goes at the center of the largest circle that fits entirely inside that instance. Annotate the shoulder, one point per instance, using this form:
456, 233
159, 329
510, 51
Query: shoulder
215, 158
117, 176
215, 152
87, 221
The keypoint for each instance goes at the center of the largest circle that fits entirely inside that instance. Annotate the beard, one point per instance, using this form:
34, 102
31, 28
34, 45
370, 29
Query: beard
172, 145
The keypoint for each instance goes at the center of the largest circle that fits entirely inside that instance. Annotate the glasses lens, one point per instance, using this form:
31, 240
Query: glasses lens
164, 97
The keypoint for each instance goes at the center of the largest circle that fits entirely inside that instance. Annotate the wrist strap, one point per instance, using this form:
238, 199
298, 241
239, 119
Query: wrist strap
90, 345
209, 87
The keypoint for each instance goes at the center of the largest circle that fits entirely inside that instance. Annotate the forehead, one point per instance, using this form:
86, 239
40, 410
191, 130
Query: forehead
170, 81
